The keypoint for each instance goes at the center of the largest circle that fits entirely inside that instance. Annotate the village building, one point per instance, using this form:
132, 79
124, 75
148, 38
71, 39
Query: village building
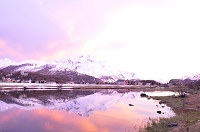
122, 82
23, 73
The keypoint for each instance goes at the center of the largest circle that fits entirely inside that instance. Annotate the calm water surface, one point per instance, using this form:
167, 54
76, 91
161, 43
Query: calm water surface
77, 110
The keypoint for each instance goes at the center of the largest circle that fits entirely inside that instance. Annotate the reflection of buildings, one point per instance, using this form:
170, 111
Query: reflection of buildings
82, 102
44, 95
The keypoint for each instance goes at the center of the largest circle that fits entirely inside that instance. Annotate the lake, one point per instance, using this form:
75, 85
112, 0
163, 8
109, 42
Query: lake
102, 110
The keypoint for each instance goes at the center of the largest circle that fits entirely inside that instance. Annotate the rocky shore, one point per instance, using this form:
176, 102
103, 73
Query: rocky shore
187, 117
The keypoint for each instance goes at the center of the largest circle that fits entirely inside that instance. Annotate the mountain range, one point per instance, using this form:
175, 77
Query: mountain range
192, 77
75, 69
84, 65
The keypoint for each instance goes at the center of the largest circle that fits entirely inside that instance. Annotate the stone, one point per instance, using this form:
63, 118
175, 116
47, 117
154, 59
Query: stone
172, 125
143, 95
159, 112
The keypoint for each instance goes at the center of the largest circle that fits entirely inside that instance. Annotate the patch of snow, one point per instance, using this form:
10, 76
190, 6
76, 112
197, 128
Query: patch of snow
6, 62
192, 77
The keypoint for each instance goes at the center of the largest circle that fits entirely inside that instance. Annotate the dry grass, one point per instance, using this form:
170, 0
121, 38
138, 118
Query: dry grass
187, 116
185, 121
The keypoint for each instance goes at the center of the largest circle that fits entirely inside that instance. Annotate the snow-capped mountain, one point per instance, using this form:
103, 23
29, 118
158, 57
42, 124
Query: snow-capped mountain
6, 62
192, 77
84, 65
84, 106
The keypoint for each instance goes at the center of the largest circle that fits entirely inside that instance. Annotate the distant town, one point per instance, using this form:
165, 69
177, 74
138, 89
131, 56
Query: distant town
29, 77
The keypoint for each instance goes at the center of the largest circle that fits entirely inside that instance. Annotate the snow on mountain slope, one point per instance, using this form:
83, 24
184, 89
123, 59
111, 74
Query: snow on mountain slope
87, 65
84, 64
31, 66
6, 62
83, 106
192, 77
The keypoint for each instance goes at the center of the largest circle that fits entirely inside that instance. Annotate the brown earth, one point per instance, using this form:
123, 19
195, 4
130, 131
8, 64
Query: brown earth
192, 104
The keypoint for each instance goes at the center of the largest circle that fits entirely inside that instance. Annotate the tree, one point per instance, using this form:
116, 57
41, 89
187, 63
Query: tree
181, 91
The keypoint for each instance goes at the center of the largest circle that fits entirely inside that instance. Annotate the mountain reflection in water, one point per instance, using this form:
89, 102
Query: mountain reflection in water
77, 110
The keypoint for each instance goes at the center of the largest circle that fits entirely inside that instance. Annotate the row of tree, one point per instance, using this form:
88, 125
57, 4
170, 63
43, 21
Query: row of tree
58, 78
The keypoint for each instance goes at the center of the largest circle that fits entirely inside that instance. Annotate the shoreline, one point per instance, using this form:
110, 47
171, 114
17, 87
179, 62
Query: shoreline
187, 118
81, 86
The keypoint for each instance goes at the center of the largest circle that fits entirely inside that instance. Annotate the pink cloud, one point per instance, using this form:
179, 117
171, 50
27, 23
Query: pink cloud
10, 51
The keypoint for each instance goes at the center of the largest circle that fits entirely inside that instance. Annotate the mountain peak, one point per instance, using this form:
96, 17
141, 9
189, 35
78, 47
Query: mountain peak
5, 59
85, 56
6, 62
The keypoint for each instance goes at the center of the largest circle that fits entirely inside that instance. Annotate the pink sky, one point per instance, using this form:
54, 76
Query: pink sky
156, 39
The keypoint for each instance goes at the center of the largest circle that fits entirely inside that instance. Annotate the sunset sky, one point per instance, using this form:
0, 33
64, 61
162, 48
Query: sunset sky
157, 39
